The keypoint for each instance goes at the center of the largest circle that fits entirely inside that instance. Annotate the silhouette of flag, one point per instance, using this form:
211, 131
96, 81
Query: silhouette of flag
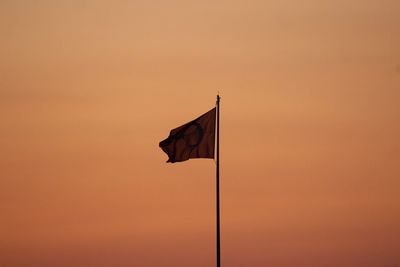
194, 139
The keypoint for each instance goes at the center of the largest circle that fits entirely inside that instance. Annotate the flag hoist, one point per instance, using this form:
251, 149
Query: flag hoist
198, 138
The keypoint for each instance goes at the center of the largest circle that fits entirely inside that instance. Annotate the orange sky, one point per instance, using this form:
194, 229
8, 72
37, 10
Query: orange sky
310, 148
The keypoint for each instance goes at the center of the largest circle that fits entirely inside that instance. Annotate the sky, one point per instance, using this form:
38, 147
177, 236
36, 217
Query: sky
310, 148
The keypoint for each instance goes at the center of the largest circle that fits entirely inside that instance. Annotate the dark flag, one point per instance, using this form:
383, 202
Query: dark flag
194, 139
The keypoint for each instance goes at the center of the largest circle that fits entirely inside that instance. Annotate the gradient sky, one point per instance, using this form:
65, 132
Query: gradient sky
310, 147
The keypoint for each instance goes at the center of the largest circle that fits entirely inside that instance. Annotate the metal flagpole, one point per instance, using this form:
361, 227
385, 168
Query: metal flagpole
217, 174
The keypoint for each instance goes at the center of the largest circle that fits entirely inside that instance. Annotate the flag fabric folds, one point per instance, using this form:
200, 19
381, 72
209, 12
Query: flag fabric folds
195, 139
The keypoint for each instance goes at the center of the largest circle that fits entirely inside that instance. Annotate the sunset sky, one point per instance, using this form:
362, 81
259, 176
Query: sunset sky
310, 133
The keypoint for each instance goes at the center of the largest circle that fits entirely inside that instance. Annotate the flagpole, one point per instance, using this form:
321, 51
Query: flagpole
217, 190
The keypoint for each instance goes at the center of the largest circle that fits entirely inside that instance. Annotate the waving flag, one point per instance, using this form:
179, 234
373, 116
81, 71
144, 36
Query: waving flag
195, 139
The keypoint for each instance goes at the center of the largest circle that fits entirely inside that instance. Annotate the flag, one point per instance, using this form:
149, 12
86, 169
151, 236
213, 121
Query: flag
194, 139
